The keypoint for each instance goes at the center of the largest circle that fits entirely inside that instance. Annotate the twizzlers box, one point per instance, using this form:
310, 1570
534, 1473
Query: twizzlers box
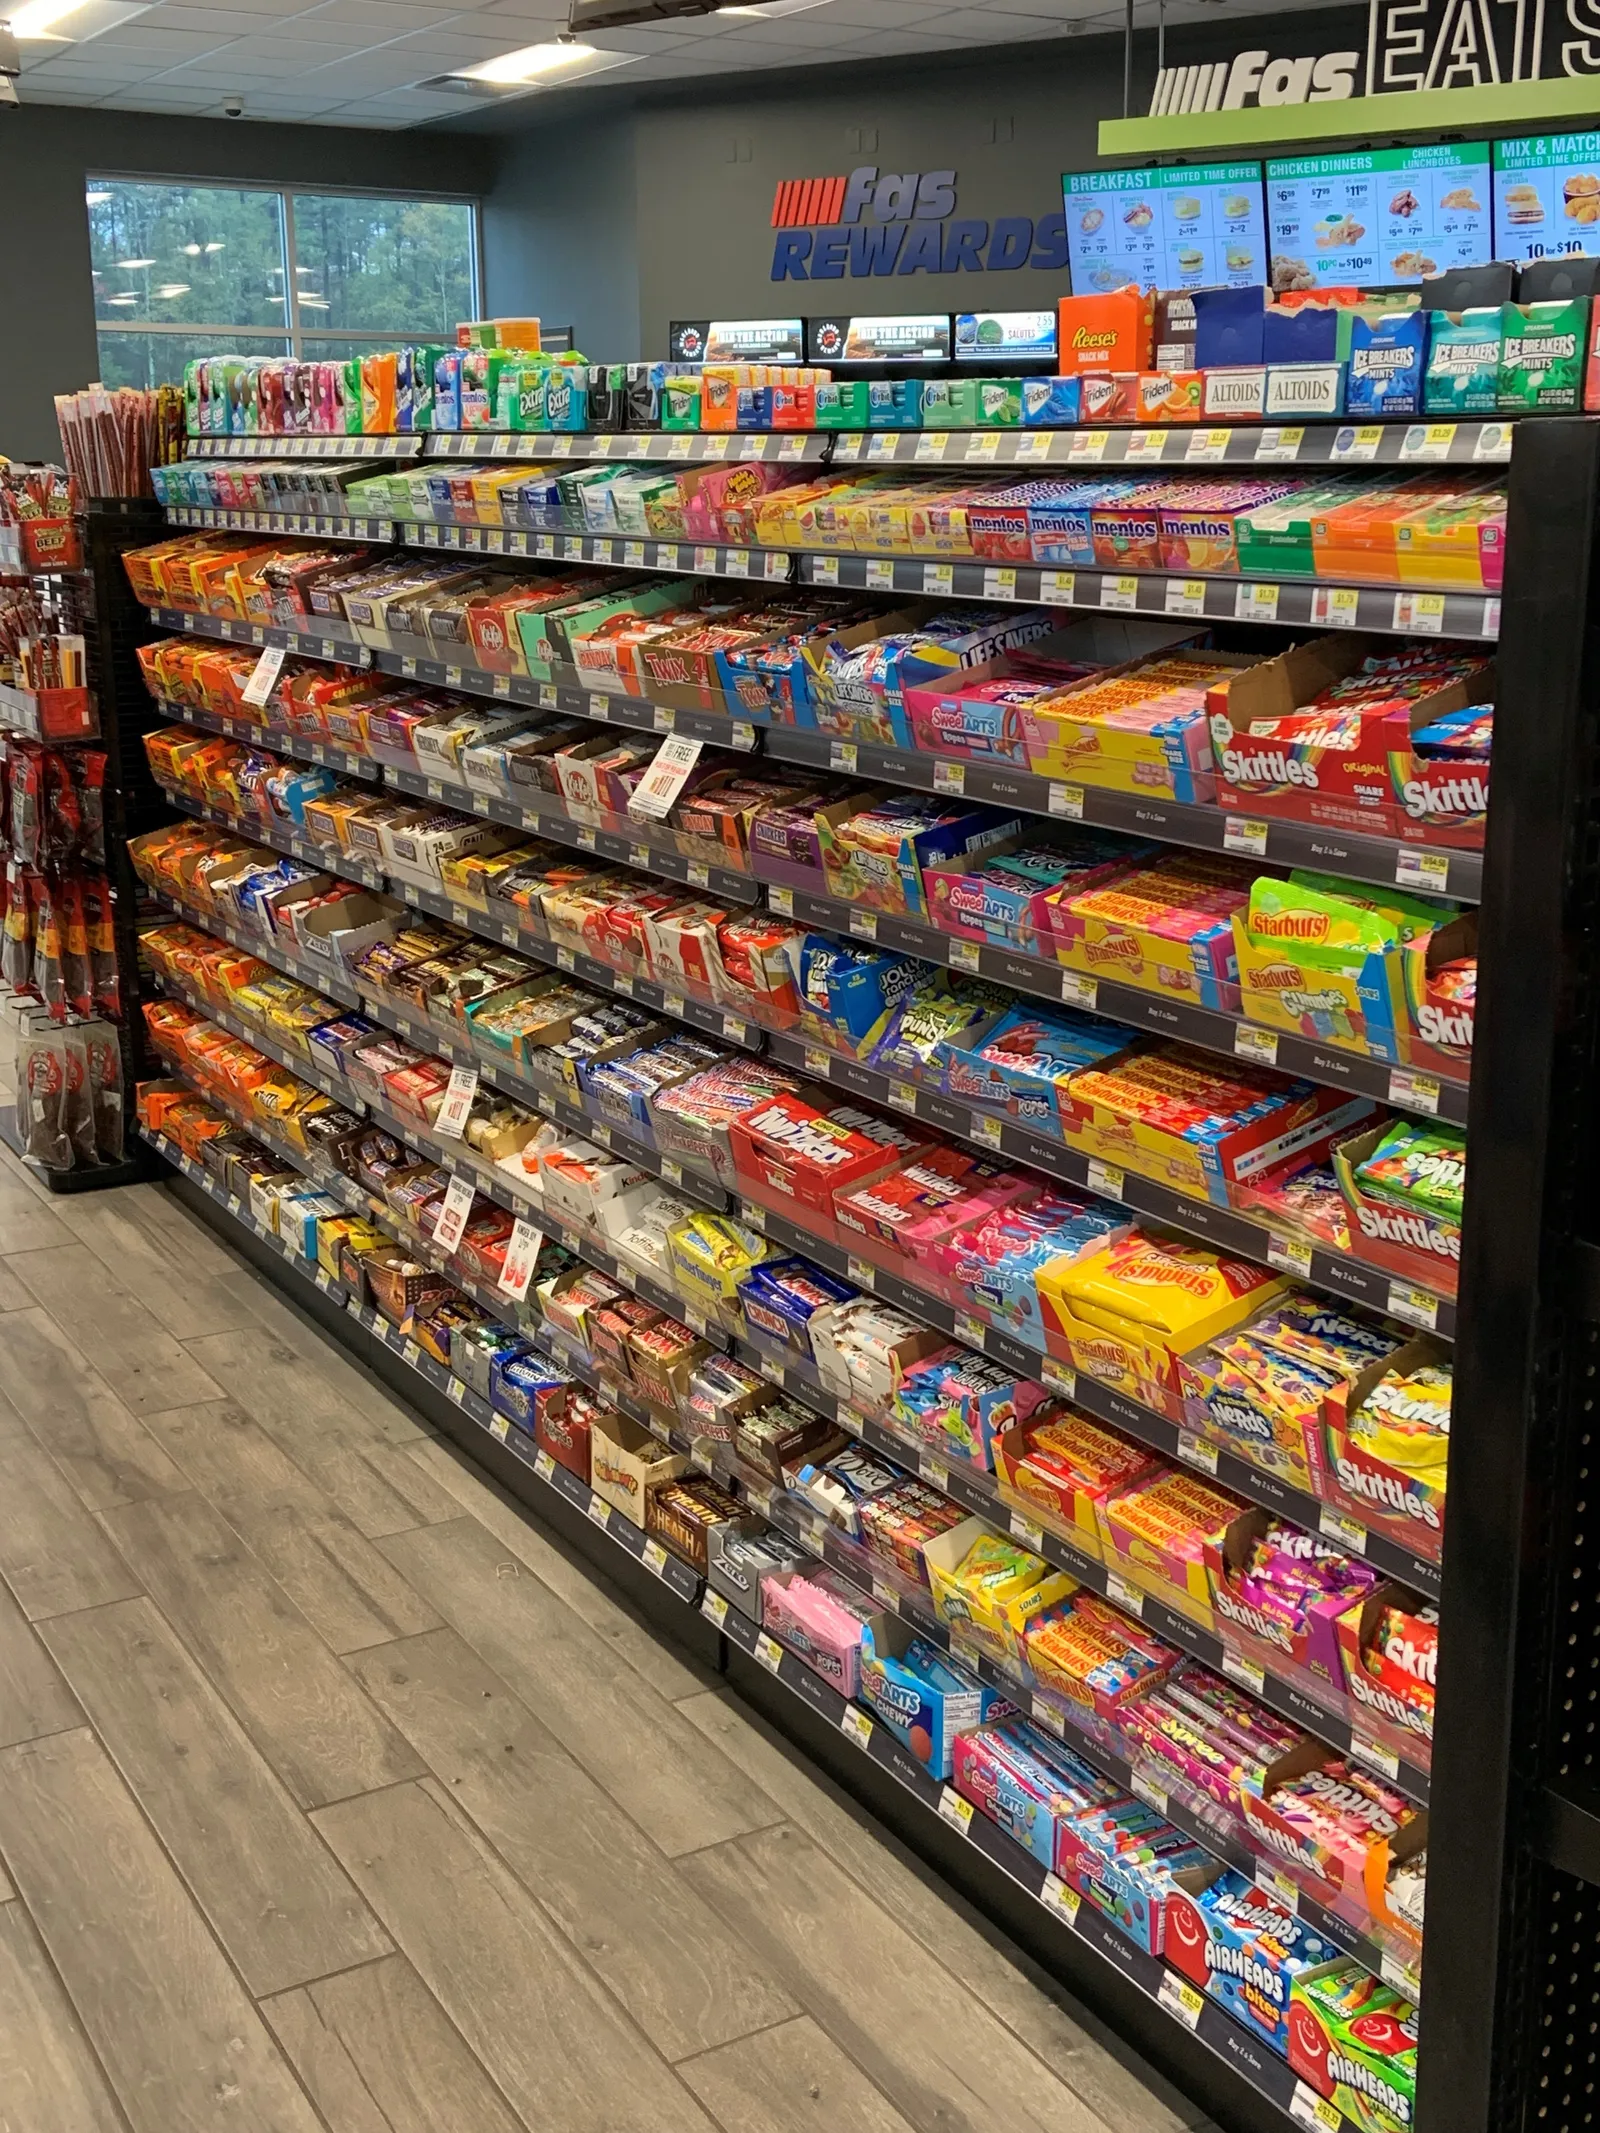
791, 1150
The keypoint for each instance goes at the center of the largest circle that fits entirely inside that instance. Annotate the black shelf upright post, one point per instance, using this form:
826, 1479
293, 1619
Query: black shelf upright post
1510, 2035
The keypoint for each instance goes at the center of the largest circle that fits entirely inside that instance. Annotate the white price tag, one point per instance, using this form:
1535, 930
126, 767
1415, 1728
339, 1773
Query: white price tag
986, 1131
965, 955
453, 1215
1274, 1882
1421, 870
1148, 1789
599, 1512
1024, 1530
1374, 1756
1106, 1179
825, 570
1278, 445
1252, 1042
1122, 1594
1333, 1525
1059, 1378
1427, 441
1067, 800
666, 777
1207, 446
1180, 1999
879, 575
1493, 441
902, 1096
1245, 1672
983, 444
1290, 1255
1121, 593
1088, 444
1357, 447
882, 446
950, 778
1413, 1091
856, 1726
1036, 445
263, 676
1307, 2108
770, 1652
1186, 596
1398, 1975
1058, 1897
1058, 588
1240, 834
1416, 1306
938, 577
935, 1474
522, 1255
655, 1557
955, 1810
1079, 991
862, 1272
864, 924
1491, 618
1145, 445
1000, 584
451, 1120
705, 560
1336, 607
1423, 612
1197, 1452
500, 1430
1256, 603
970, 1329
1046, 1714
931, 445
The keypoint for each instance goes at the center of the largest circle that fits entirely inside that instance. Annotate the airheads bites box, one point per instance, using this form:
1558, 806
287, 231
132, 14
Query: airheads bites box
1244, 1950
1354, 2040
1463, 374
1386, 363
1542, 356
1110, 332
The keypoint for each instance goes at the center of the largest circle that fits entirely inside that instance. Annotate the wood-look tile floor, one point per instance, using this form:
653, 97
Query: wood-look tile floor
335, 1797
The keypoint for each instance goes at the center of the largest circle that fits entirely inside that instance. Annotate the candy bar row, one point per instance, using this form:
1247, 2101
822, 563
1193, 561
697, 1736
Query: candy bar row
979, 1237
988, 1592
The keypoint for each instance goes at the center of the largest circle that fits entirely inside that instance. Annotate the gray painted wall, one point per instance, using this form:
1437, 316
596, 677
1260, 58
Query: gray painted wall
45, 153
560, 233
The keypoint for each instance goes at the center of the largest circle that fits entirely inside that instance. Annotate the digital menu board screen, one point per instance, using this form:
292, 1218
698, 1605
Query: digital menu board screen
897, 337
1169, 229
1005, 336
1378, 215
1547, 196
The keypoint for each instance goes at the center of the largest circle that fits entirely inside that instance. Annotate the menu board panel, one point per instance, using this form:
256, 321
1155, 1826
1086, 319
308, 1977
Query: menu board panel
1193, 228
1547, 196
1379, 215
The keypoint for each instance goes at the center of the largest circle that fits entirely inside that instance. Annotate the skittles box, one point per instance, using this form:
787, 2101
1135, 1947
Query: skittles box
1354, 2040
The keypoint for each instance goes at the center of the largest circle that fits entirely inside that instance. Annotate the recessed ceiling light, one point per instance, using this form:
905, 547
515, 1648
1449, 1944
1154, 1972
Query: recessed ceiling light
192, 251
173, 288
772, 7
217, 246
135, 262
537, 62
128, 296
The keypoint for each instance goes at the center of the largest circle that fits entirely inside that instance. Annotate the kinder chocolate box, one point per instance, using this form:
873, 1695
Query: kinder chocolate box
918, 1695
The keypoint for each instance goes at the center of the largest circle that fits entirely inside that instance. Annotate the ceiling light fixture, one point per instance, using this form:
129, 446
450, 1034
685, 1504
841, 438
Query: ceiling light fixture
135, 262
39, 17
217, 246
96, 199
191, 251
771, 7
128, 296
173, 288
534, 61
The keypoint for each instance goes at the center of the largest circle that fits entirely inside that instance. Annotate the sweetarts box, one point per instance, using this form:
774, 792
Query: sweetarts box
924, 1702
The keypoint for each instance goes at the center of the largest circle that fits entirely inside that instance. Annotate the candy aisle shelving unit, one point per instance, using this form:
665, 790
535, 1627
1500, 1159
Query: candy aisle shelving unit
1514, 1838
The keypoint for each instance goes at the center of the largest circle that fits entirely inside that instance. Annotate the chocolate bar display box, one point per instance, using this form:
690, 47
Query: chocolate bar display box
626, 1462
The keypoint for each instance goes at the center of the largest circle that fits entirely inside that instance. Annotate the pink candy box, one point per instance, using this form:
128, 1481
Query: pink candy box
1332, 1823
913, 1209
820, 1617
1304, 1634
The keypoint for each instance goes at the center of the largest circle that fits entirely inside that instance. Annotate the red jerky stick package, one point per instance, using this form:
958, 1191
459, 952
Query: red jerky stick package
41, 1093
25, 785
98, 913
89, 777
16, 944
77, 973
49, 981
63, 818
105, 1089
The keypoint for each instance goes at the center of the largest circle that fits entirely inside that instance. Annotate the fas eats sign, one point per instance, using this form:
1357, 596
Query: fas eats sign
825, 234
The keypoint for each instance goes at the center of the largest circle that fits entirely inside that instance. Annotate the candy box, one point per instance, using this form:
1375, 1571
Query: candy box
1279, 1615
779, 1299
1389, 1644
1384, 1455
1027, 1784
626, 1462
1110, 332
1061, 1467
564, 1432
992, 1265
904, 1213
1327, 1818
1327, 961
1245, 1951
1417, 1243
898, 1524
737, 1561
1130, 1864
686, 1513
863, 1349
784, 1435
1441, 980
1022, 1063
1354, 2040
1164, 927
711, 1254
522, 1386
838, 1487
989, 1589
792, 1150
1123, 1311
664, 1357
820, 1617
877, 857
1005, 897
1542, 352
1464, 352
1097, 1658
960, 1406
924, 1702
848, 992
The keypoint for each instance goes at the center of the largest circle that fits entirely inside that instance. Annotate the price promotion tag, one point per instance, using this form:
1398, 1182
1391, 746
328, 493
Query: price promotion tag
666, 777
522, 1255
264, 676
453, 1215
451, 1121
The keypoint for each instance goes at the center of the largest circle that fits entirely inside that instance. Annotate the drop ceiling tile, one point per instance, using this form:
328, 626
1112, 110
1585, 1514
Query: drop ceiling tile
263, 59
158, 47
374, 20
367, 74
809, 32
220, 22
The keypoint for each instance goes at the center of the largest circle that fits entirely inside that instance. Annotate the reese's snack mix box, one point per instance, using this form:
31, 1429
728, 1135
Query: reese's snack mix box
1112, 332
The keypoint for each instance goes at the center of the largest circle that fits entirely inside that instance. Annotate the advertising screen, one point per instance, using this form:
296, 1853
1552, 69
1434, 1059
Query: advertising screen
1005, 336
1547, 196
1379, 215
1168, 229
897, 337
